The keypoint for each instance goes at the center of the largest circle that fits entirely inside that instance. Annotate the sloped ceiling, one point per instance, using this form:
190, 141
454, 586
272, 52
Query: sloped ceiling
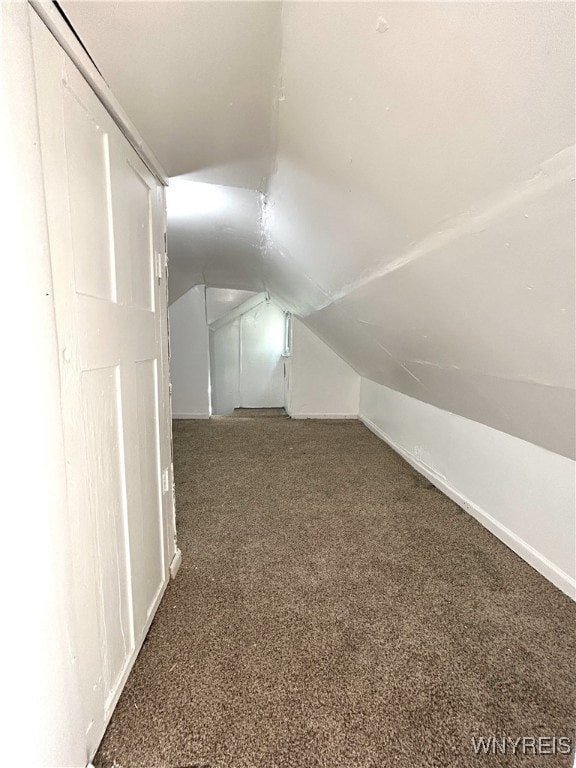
419, 210
221, 301
196, 78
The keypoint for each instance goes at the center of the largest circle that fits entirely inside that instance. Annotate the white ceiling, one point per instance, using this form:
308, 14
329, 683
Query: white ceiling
214, 236
418, 170
221, 301
196, 78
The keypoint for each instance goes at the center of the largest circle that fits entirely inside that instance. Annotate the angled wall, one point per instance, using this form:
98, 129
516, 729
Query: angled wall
320, 385
421, 215
189, 356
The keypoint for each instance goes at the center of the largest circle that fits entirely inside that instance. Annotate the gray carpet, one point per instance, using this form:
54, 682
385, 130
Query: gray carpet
334, 609
257, 413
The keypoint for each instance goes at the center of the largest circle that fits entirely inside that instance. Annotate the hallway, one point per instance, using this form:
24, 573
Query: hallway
334, 609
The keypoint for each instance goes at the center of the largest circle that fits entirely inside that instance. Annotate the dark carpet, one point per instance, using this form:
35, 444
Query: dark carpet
334, 609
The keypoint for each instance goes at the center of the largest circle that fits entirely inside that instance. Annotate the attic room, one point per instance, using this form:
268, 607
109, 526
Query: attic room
291, 437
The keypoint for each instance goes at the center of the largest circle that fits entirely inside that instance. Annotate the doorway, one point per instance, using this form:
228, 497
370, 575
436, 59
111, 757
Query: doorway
247, 351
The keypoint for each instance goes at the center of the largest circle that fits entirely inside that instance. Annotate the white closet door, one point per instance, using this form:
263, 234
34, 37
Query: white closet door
105, 219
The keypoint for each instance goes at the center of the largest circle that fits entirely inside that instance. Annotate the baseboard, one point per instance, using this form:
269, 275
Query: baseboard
534, 558
190, 415
335, 416
176, 563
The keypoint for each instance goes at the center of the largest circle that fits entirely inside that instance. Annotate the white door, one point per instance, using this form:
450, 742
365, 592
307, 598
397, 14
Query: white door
105, 213
261, 361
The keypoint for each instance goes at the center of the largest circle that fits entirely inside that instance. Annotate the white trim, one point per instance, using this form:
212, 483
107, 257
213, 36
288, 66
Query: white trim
190, 415
47, 11
176, 563
326, 416
534, 558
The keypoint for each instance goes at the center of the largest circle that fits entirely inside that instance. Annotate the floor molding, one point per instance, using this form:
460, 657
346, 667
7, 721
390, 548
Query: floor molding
175, 564
530, 555
333, 416
190, 415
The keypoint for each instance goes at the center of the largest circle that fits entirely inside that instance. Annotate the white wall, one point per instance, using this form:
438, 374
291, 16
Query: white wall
190, 362
319, 383
521, 492
421, 216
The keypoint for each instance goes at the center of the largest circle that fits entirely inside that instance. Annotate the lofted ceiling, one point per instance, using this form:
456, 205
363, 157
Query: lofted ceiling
196, 78
400, 175
221, 301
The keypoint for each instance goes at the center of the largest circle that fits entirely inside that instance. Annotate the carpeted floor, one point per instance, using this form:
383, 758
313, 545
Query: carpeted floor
333, 609
258, 413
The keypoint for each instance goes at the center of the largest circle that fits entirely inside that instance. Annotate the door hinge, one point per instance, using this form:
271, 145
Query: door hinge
161, 264
165, 481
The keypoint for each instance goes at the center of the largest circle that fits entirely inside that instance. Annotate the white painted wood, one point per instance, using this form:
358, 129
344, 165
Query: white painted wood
41, 717
105, 224
175, 564
184, 416
322, 415
246, 363
62, 32
261, 361
522, 493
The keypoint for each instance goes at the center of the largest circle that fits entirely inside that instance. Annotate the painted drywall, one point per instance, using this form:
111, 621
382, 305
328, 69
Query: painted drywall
221, 301
189, 356
214, 236
320, 384
203, 96
427, 235
521, 492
